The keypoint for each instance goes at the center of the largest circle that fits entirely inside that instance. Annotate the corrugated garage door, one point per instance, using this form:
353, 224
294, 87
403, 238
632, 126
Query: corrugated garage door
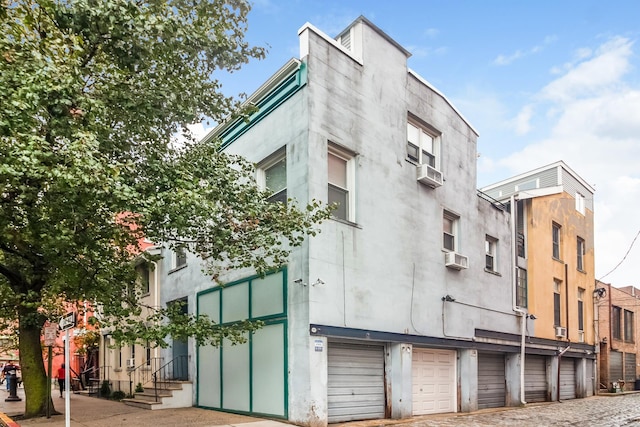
629, 370
615, 366
535, 378
433, 381
590, 377
491, 381
356, 382
567, 379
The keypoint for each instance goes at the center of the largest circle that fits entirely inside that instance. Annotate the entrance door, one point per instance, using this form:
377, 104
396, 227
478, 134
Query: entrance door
180, 350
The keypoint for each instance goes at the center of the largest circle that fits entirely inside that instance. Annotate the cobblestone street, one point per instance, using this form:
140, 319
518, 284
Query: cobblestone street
620, 410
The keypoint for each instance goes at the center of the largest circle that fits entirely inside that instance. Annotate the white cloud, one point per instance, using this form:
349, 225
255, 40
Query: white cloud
592, 114
502, 60
522, 121
590, 77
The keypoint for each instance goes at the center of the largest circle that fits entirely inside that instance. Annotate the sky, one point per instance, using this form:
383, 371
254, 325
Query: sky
541, 81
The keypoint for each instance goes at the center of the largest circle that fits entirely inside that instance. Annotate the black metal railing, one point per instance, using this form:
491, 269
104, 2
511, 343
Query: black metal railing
158, 375
176, 370
495, 203
142, 375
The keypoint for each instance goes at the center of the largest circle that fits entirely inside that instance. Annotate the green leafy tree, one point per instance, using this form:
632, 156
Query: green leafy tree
92, 92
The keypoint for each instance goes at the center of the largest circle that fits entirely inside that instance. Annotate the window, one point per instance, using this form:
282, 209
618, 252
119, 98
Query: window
148, 354
423, 146
143, 275
490, 248
555, 232
272, 177
628, 326
341, 182
580, 259
449, 231
179, 257
580, 204
580, 309
529, 185
521, 289
557, 286
616, 320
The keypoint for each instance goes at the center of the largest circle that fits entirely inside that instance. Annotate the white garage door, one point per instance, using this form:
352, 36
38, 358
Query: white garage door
491, 381
567, 379
356, 382
535, 378
434, 381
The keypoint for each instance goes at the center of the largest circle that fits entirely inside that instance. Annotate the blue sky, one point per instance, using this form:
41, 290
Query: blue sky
540, 81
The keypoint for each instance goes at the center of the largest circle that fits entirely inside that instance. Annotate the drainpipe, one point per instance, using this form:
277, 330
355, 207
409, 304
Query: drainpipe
521, 312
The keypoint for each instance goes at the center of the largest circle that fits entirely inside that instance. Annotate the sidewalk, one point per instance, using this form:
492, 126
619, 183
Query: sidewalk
95, 412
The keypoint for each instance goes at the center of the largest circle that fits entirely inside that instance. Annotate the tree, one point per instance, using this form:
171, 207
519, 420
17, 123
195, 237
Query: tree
92, 93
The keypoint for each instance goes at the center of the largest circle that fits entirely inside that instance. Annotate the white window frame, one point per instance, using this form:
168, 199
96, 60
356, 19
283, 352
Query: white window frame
580, 252
455, 224
261, 173
349, 159
424, 135
491, 250
175, 263
558, 243
580, 203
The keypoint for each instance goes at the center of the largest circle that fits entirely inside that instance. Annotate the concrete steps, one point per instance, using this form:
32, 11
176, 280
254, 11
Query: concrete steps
170, 394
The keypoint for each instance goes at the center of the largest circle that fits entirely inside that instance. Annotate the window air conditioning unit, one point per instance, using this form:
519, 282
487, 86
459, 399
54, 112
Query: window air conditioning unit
456, 261
131, 363
561, 332
429, 175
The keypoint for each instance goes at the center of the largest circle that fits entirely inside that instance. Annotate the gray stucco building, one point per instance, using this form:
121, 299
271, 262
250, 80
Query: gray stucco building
404, 304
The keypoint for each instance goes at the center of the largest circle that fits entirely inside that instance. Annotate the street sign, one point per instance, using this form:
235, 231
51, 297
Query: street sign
68, 321
50, 334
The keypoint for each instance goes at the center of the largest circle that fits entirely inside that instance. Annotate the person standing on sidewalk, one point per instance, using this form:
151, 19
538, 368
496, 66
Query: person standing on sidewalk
61, 377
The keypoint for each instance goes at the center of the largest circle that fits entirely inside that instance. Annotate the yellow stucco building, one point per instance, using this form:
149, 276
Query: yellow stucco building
555, 269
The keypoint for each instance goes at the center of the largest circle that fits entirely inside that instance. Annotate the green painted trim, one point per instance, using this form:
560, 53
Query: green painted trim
285, 90
272, 319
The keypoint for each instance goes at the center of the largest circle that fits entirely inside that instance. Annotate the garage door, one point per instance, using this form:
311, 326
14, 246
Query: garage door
356, 382
434, 381
567, 379
615, 366
535, 378
590, 377
491, 381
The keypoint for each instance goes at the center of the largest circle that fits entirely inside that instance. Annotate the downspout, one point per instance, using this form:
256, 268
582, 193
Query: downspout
522, 313
566, 298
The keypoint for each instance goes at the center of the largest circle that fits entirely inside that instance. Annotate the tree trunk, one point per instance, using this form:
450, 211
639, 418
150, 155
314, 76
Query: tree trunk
34, 375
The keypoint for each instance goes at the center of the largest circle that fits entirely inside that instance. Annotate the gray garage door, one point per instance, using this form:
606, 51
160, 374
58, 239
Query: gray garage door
356, 382
491, 380
567, 379
535, 378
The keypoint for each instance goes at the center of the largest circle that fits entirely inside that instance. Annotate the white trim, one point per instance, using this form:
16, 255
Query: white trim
304, 42
430, 86
558, 164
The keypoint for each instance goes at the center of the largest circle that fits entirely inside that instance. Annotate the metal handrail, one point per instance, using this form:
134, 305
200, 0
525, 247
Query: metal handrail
174, 370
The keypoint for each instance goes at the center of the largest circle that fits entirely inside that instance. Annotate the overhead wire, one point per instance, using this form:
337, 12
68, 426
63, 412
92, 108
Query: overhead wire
623, 258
